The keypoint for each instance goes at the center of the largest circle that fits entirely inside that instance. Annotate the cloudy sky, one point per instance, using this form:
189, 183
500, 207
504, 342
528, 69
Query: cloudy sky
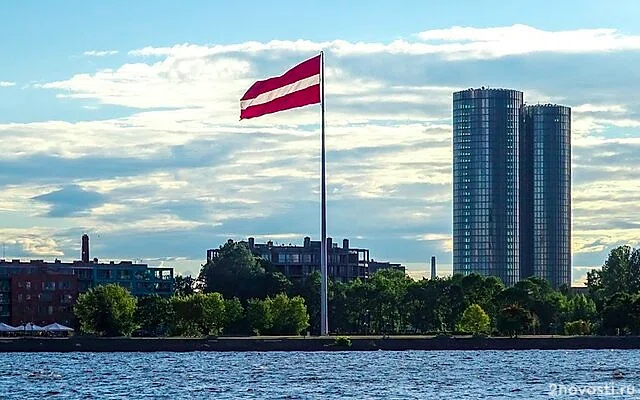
121, 119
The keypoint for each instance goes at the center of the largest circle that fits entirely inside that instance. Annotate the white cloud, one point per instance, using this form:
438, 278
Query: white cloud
36, 241
100, 53
599, 108
4, 84
455, 42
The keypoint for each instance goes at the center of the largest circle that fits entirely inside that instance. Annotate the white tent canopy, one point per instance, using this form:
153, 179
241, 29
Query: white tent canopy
30, 328
7, 328
56, 327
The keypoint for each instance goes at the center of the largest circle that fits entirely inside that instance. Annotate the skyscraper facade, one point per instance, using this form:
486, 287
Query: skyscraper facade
486, 134
545, 193
511, 187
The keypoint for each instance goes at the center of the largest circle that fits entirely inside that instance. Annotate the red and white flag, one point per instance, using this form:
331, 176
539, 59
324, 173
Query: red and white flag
298, 87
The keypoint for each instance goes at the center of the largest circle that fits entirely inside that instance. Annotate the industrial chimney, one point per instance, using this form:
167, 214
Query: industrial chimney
433, 268
85, 248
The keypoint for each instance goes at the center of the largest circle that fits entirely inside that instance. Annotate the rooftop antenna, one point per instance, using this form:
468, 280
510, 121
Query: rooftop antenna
3, 250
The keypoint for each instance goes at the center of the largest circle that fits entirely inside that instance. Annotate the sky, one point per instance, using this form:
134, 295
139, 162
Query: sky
121, 120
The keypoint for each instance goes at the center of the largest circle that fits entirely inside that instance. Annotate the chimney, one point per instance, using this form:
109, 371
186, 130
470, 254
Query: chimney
433, 267
307, 241
329, 243
345, 244
252, 243
85, 248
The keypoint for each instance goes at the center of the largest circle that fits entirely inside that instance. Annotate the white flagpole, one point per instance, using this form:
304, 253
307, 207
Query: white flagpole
324, 315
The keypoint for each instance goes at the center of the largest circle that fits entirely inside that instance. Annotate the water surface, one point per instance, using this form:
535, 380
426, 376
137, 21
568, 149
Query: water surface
331, 375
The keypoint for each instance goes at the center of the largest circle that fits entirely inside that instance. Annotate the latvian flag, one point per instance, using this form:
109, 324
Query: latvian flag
300, 86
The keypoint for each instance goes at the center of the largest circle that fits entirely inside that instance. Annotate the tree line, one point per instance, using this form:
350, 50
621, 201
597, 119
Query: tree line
238, 293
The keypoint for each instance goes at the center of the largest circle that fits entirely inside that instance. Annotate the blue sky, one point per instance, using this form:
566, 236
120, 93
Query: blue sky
121, 119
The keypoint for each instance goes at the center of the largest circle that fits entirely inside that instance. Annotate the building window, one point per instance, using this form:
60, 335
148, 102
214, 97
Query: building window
282, 258
20, 298
27, 284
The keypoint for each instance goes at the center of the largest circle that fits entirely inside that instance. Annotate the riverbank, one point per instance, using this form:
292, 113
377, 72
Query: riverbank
358, 343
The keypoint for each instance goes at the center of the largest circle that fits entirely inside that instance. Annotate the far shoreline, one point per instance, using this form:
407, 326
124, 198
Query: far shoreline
314, 343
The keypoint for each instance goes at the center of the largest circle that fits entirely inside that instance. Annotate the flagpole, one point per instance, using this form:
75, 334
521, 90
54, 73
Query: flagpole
324, 315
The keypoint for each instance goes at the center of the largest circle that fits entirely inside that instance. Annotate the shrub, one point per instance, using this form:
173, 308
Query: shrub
578, 327
342, 341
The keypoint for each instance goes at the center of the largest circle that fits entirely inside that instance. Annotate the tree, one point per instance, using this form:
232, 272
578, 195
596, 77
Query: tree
481, 290
619, 274
279, 315
259, 316
234, 273
237, 272
538, 297
198, 314
388, 290
474, 320
309, 289
289, 315
107, 310
513, 320
580, 307
578, 327
185, 285
234, 322
154, 314
618, 314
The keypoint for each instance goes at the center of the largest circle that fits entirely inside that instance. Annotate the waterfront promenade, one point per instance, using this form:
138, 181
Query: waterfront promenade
298, 343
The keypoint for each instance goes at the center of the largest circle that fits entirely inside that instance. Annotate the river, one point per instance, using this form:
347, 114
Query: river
336, 375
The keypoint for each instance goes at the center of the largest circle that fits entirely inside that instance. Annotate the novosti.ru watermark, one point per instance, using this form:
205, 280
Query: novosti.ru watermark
609, 389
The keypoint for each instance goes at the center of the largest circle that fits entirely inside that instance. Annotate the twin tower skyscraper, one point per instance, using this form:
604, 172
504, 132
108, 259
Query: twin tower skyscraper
511, 187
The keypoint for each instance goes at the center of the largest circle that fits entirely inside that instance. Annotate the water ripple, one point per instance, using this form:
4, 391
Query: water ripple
297, 375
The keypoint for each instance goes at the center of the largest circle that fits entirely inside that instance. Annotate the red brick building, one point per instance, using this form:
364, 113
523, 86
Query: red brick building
43, 297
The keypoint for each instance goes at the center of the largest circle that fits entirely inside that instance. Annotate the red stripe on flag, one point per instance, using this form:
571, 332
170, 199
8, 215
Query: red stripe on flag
304, 97
303, 70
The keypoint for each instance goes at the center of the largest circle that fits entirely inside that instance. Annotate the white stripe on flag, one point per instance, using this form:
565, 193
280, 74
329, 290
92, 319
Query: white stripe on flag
281, 91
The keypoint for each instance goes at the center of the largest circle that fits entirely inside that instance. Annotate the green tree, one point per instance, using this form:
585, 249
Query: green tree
185, 285
581, 308
309, 289
513, 320
578, 327
538, 297
435, 305
388, 289
621, 314
479, 289
259, 316
289, 315
234, 321
619, 274
474, 320
450, 305
107, 310
198, 314
154, 315
421, 301
237, 272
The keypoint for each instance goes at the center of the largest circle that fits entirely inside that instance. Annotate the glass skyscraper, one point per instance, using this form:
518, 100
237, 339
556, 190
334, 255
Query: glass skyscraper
486, 134
511, 187
546, 193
